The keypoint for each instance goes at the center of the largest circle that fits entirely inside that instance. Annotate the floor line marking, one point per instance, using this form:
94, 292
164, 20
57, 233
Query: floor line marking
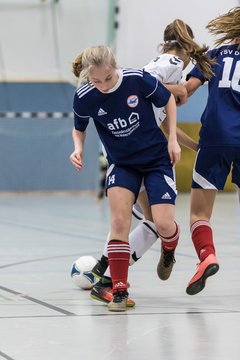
5, 356
40, 302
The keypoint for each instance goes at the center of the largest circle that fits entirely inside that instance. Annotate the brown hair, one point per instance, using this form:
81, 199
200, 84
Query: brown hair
179, 36
92, 56
226, 25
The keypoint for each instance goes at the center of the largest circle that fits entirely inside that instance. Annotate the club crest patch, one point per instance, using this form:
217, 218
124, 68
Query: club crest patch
132, 101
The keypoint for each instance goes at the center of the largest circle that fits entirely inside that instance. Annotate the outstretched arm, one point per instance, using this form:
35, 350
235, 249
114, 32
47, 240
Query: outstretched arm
182, 137
179, 91
192, 85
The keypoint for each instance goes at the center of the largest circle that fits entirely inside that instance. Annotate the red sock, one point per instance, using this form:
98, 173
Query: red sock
170, 243
202, 238
118, 258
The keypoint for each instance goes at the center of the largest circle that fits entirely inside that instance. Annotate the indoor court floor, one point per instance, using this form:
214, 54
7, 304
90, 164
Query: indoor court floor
44, 316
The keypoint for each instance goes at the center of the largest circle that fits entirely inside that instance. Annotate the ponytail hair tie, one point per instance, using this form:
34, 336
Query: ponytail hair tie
170, 41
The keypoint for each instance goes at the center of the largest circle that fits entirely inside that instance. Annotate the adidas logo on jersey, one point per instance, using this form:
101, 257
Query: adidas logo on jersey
101, 112
166, 196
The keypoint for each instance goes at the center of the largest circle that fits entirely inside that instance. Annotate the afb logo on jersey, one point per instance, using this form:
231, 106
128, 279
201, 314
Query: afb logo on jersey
132, 101
122, 123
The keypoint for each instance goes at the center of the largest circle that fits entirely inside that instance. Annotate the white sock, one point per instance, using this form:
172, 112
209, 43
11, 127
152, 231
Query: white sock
105, 253
107, 272
141, 239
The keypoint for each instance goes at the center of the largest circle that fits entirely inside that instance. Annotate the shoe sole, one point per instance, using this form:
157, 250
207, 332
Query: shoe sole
199, 285
115, 309
118, 307
129, 305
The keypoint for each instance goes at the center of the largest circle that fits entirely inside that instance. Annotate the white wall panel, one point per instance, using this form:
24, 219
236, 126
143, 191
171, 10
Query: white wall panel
141, 24
39, 39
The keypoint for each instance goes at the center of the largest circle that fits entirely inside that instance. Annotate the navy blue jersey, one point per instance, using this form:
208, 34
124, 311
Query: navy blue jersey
221, 117
124, 117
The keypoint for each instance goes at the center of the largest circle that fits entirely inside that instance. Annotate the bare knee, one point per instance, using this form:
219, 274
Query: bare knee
166, 227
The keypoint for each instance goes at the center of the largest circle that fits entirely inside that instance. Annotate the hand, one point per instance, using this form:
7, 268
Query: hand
76, 160
180, 100
182, 96
174, 151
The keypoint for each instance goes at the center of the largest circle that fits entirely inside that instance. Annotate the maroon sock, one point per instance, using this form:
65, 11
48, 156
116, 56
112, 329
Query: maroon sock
202, 238
118, 258
170, 243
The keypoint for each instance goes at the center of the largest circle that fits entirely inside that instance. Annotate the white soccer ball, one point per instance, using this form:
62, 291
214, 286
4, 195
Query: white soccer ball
81, 272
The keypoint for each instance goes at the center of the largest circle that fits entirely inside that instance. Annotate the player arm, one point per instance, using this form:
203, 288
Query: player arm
77, 155
192, 84
182, 137
174, 149
179, 91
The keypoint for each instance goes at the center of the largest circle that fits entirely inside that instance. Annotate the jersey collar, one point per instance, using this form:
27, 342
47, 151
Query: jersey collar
118, 83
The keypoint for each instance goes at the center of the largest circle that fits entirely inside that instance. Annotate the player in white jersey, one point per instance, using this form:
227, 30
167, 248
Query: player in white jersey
176, 51
219, 145
120, 102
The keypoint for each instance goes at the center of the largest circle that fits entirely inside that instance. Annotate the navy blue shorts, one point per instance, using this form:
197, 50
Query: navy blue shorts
213, 165
159, 181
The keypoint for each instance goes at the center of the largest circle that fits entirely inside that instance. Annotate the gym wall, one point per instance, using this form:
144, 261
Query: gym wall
37, 86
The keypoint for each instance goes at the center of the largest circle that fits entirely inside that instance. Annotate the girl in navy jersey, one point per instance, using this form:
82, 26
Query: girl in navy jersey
219, 146
120, 102
175, 54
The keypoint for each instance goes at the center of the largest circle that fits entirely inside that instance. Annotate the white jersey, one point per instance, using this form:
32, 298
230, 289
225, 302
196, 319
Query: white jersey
167, 68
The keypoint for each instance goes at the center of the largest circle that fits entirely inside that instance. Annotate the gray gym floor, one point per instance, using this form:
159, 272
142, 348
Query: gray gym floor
44, 316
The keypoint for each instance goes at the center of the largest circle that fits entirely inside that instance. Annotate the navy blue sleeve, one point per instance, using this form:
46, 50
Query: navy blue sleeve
196, 72
81, 121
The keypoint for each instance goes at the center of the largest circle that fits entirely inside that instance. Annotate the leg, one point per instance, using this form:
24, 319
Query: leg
144, 205
101, 192
168, 230
145, 234
120, 201
202, 202
140, 239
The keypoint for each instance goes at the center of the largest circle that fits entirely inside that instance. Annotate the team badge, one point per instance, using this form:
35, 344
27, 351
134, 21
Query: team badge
132, 101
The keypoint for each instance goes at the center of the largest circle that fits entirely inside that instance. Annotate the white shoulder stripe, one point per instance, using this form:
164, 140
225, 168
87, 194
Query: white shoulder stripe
131, 72
83, 86
84, 90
